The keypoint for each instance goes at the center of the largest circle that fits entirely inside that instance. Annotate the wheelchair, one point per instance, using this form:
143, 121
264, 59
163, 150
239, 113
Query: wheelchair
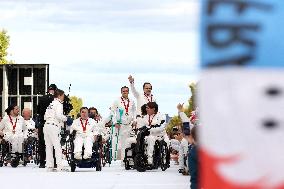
94, 162
106, 153
30, 151
136, 156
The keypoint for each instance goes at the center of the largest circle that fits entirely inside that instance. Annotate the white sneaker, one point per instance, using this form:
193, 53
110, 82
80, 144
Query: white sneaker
62, 169
150, 160
87, 156
78, 156
122, 163
49, 169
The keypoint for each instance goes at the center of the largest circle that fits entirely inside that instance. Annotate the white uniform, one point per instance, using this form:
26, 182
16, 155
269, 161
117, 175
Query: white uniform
183, 117
124, 113
100, 128
16, 124
132, 138
183, 150
54, 119
30, 131
157, 133
85, 132
141, 98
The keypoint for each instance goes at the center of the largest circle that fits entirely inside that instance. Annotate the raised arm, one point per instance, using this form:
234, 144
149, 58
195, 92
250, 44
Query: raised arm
132, 87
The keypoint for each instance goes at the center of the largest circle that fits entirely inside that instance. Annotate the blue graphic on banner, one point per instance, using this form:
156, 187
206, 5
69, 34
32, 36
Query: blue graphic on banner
242, 33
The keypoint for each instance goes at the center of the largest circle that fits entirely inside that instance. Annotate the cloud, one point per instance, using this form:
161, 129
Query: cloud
95, 45
100, 15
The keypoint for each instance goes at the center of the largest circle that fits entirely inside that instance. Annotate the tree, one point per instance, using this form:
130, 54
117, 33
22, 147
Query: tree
192, 100
176, 121
4, 45
77, 103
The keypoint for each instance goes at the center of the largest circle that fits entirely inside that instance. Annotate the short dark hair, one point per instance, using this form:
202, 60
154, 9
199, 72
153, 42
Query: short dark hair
143, 109
146, 84
93, 108
153, 105
58, 92
83, 108
124, 87
194, 132
52, 87
10, 108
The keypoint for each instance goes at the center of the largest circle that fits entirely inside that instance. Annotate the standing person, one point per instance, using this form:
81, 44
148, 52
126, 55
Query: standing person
12, 127
85, 135
44, 102
54, 120
123, 111
142, 98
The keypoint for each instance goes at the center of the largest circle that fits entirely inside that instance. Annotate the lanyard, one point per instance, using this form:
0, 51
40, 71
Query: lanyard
11, 121
84, 126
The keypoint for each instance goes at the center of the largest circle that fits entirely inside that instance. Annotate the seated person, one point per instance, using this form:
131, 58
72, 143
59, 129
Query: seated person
12, 128
29, 122
151, 120
85, 135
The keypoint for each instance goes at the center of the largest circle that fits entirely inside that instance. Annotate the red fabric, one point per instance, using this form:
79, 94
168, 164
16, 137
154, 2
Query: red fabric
211, 179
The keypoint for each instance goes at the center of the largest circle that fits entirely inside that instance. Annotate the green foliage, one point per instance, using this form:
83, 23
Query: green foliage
192, 100
176, 121
4, 45
77, 103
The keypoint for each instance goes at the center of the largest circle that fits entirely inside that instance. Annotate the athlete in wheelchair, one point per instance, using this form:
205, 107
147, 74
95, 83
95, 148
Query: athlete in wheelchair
12, 129
151, 148
83, 145
30, 137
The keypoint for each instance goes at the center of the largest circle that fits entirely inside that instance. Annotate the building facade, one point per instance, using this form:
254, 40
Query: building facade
23, 84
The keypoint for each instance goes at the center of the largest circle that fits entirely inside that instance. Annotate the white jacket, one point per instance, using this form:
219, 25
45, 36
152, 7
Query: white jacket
141, 98
78, 127
30, 125
155, 119
183, 117
100, 128
119, 112
7, 126
54, 113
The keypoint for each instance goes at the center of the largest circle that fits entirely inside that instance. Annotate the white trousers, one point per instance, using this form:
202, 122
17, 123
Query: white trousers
151, 139
119, 142
52, 139
81, 140
16, 140
183, 150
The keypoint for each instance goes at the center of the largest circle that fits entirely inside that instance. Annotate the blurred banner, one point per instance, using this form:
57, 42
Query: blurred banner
242, 32
241, 94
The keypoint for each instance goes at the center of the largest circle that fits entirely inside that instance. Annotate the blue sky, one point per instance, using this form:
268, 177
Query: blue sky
95, 45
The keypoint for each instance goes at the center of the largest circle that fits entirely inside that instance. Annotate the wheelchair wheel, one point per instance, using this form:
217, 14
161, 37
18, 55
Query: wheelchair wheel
98, 166
164, 156
73, 166
127, 166
139, 163
14, 163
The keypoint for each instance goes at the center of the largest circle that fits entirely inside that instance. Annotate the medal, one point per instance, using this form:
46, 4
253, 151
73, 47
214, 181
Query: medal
126, 106
14, 125
151, 97
151, 120
84, 126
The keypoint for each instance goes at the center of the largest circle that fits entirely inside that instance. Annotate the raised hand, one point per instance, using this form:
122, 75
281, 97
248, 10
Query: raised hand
180, 107
131, 79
